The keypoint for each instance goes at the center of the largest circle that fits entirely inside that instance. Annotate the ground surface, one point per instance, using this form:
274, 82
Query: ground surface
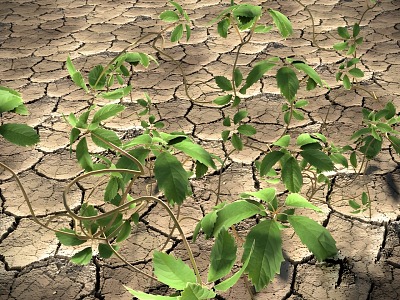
36, 37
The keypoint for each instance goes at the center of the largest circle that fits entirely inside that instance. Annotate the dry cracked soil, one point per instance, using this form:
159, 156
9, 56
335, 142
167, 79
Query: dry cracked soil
36, 36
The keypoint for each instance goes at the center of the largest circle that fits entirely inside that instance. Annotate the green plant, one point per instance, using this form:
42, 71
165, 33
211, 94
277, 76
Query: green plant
19, 134
302, 162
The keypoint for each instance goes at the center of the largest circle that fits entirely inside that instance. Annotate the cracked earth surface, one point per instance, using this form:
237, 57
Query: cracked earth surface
36, 36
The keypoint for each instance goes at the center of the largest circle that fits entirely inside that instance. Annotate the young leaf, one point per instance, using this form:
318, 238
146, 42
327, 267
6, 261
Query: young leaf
171, 177
223, 27
117, 94
316, 237
169, 16
346, 82
269, 161
356, 72
9, 99
291, 175
223, 83
352, 62
318, 159
309, 71
178, 7
144, 296
297, 200
233, 213
352, 49
106, 112
83, 156
343, 32
195, 291
226, 122
354, 204
247, 130
238, 77
282, 22
266, 257
83, 257
196, 152
223, 256
110, 136
237, 142
301, 103
340, 46
256, 73
225, 135
19, 134
287, 82
364, 198
266, 195
188, 32
283, 141
177, 33
171, 271
223, 100
94, 77
69, 238
262, 29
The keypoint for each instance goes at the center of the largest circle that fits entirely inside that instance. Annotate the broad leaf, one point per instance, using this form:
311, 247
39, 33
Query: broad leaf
169, 16
356, 72
106, 251
172, 271
223, 256
338, 158
269, 161
247, 130
106, 112
282, 22
343, 32
223, 27
196, 152
69, 238
95, 81
316, 237
223, 83
395, 142
195, 291
9, 99
246, 15
177, 33
83, 156
371, 147
318, 159
256, 73
297, 200
309, 71
83, 257
126, 163
171, 177
237, 142
234, 213
266, 258
19, 134
117, 94
291, 175
144, 296
239, 116
287, 83
223, 100
107, 135
267, 194
238, 77
283, 142
124, 232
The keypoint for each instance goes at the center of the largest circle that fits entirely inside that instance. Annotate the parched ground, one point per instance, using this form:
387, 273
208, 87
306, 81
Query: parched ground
36, 36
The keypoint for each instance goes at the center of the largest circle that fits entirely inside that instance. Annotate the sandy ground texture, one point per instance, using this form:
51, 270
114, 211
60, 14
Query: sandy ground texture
36, 36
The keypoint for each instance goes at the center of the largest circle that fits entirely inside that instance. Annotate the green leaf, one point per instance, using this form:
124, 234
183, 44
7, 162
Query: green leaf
236, 101
223, 100
94, 76
316, 237
108, 135
371, 147
124, 70
356, 72
237, 142
195, 291
343, 32
301, 103
143, 139
309, 71
266, 258
262, 29
223, 256
83, 257
266, 195
124, 232
223, 83
352, 49
19, 134
282, 22
207, 224
247, 130
287, 83
291, 175
233, 213
117, 94
269, 161
361, 132
226, 122
106, 112
340, 46
9, 99
356, 29
346, 82
238, 77
354, 204
298, 115
177, 6
111, 190
364, 198
395, 142
88, 211
188, 32
196, 152
383, 127
318, 159
75, 132
124, 162
177, 33
169, 16
70, 66
297, 200
83, 156
246, 15
256, 73
201, 169
144, 296
171, 177
338, 158
106, 251
352, 62
171, 271
69, 238
359, 40
21, 110
223, 27
225, 135
239, 116
353, 159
